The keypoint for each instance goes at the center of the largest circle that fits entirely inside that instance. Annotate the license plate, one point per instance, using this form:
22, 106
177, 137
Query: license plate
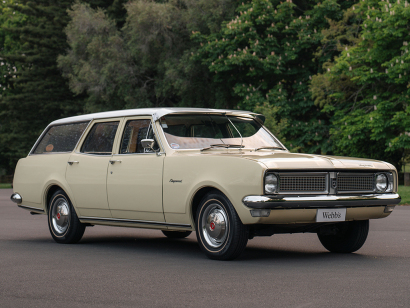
324, 215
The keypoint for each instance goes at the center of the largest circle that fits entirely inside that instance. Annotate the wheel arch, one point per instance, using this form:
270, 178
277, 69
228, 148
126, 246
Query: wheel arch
198, 196
50, 190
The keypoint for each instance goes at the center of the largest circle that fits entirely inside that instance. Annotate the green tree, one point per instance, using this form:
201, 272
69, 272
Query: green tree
265, 58
146, 62
10, 17
34, 92
366, 88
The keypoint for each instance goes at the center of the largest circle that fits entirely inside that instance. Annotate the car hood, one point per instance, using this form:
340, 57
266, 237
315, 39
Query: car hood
295, 161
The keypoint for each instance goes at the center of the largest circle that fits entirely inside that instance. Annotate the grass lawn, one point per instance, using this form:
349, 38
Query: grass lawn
404, 192
2, 185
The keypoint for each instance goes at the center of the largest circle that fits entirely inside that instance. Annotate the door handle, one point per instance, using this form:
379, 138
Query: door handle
73, 162
112, 162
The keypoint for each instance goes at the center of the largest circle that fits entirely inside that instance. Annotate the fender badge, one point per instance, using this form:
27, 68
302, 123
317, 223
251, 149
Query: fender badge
175, 181
366, 165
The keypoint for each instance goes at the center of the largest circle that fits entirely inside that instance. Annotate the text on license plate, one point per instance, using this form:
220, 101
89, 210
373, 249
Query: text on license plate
324, 215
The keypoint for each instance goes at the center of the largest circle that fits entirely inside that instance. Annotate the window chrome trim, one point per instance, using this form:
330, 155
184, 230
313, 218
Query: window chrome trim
94, 155
50, 153
132, 221
127, 154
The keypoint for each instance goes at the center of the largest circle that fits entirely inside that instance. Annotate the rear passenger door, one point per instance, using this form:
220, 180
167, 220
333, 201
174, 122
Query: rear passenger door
87, 169
134, 180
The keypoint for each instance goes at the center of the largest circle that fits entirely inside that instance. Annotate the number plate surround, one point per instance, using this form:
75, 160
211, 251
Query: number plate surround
326, 215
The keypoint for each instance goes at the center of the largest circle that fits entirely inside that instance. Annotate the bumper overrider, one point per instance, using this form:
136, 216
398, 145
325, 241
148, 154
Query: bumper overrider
16, 198
321, 201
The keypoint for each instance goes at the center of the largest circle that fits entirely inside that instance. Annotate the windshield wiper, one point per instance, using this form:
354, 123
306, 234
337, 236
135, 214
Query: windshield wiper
222, 145
274, 148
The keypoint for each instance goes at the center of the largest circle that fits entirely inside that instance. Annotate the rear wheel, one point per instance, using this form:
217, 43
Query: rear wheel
176, 234
346, 237
220, 233
63, 221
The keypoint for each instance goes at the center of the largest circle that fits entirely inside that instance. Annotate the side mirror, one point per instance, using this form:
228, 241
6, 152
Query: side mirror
148, 144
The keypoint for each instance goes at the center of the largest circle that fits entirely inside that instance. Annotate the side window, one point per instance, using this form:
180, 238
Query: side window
100, 139
60, 138
134, 132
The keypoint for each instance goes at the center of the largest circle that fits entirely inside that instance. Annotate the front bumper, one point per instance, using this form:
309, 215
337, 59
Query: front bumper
321, 201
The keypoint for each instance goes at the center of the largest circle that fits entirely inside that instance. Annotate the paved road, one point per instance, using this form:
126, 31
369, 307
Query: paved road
121, 267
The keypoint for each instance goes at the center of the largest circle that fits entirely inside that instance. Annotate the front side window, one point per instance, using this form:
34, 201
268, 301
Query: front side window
134, 132
100, 139
197, 131
60, 138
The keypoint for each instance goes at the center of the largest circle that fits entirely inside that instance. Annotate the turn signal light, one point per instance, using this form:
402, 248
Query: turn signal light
260, 213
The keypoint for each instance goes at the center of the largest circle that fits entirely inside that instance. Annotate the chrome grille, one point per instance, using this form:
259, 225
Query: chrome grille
290, 182
355, 182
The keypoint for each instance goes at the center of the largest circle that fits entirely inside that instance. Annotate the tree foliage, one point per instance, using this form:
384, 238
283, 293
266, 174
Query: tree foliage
147, 61
33, 91
331, 76
265, 56
366, 88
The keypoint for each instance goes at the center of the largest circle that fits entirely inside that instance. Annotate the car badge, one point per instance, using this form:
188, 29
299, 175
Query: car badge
175, 181
334, 183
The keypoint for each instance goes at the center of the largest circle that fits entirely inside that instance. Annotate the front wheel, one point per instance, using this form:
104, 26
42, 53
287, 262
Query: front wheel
346, 237
63, 222
220, 233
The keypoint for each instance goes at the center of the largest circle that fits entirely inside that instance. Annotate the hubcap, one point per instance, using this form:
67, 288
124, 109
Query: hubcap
215, 225
61, 215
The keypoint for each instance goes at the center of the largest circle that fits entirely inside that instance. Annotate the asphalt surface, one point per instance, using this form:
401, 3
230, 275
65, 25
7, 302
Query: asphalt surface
124, 267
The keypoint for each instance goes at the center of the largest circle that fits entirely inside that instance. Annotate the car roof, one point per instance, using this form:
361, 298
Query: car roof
156, 113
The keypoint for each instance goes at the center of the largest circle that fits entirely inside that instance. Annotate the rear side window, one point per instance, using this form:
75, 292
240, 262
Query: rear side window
60, 138
100, 139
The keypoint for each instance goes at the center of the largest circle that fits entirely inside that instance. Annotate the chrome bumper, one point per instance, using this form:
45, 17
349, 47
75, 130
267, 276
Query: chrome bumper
314, 202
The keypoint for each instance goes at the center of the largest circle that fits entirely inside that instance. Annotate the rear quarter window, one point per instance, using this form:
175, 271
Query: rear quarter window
60, 138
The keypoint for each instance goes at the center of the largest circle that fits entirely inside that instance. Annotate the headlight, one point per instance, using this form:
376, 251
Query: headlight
381, 182
271, 183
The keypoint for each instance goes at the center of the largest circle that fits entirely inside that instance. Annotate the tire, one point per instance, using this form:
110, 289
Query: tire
65, 228
176, 234
220, 233
348, 237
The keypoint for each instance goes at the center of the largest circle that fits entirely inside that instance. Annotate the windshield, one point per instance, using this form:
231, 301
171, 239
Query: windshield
198, 131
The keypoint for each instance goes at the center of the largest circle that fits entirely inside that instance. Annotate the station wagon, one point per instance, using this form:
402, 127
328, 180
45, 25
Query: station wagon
220, 173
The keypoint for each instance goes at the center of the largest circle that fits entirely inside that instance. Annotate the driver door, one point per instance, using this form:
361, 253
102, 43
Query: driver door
134, 180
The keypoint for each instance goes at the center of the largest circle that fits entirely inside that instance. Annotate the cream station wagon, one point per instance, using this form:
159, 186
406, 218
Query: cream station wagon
220, 173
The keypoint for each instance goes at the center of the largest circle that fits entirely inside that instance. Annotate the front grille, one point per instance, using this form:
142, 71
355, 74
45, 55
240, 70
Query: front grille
355, 182
310, 183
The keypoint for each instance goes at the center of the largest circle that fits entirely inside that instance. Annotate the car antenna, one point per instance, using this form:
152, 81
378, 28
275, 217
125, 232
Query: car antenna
240, 149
